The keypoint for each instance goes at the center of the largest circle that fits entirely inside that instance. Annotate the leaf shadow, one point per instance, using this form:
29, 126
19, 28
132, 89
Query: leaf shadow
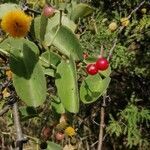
23, 62
90, 94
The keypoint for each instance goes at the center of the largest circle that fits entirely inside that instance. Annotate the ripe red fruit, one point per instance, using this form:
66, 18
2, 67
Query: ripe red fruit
91, 69
59, 136
102, 64
48, 11
46, 132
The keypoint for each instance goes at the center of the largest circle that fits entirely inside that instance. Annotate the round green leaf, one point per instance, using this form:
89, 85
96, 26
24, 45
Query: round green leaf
28, 76
59, 36
92, 88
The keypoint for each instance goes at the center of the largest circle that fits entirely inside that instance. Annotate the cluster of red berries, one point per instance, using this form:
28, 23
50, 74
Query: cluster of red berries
100, 65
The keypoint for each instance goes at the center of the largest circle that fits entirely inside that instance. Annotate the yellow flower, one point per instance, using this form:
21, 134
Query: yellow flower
70, 131
124, 22
112, 26
16, 23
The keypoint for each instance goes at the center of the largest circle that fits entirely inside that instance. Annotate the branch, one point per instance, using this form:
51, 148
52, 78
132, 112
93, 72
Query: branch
4, 110
121, 28
134, 10
8, 103
20, 138
102, 123
112, 49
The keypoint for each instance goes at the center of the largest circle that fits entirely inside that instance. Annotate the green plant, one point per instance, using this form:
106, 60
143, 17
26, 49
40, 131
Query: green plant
129, 126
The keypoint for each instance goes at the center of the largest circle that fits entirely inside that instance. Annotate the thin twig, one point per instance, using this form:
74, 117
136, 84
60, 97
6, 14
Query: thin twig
112, 49
134, 10
102, 123
94, 144
101, 51
121, 28
20, 139
4, 110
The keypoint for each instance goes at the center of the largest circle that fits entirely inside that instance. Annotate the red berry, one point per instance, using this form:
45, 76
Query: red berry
102, 64
59, 136
48, 11
46, 132
85, 55
91, 69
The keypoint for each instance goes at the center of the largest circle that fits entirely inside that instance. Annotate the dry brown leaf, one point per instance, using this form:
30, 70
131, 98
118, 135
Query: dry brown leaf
5, 93
69, 147
9, 74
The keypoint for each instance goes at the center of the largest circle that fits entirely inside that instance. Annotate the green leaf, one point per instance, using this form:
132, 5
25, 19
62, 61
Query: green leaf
53, 146
106, 72
35, 28
47, 58
55, 20
38, 27
60, 36
90, 59
28, 76
49, 72
43, 25
92, 88
57, 105
66, 83
27, 112
81, 10
4, 8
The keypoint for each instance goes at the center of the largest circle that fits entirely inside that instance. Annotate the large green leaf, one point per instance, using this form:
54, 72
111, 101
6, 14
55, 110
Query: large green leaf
66, 83
38, 27
65, 40
81, 10
4, 8
28, 76
92, 88
55, 20
42, 25
53, 146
